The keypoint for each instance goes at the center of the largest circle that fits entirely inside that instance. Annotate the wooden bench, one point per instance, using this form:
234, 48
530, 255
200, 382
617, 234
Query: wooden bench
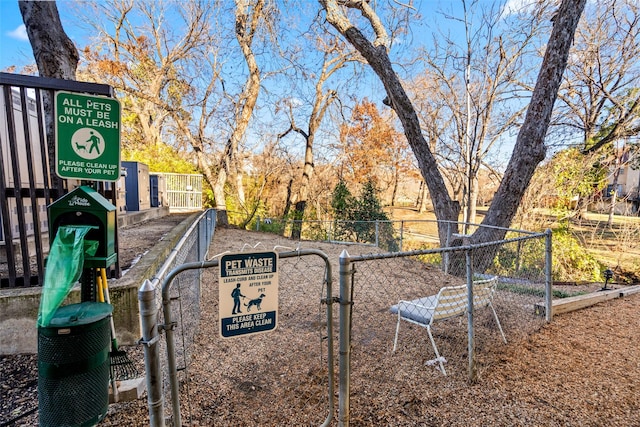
450, 302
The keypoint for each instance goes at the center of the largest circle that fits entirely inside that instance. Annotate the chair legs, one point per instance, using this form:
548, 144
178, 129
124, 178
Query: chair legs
395, 340
433, 343
435, 349
495, 316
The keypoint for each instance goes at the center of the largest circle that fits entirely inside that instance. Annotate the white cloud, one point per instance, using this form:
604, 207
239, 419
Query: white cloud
516, 6
19, 33
513, 7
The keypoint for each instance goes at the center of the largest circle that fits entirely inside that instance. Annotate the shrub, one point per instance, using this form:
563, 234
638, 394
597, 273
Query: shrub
571, 261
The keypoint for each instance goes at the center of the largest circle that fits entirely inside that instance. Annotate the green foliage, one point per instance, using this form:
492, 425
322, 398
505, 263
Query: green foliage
164, 158
576, 175
433, 259
571, 261
315, 231
159, 158
362, 219
520, 259
341, 201
368, 207
274, 227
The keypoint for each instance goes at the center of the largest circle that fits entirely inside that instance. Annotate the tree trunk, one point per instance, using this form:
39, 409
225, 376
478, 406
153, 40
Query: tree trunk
56, 57
614, 193
55, 53
246, 27
287, 205
530, 149
473, 199
296, 228
377, 57
219, 196
394, 193
307, 173
422, 198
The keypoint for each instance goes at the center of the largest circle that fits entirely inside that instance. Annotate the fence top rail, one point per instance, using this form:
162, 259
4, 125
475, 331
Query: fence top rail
37, 82
392, 221
494, 227
162, 271
370, 257
175, 174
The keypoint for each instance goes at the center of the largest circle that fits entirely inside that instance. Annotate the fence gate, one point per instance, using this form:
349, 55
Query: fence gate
282, 377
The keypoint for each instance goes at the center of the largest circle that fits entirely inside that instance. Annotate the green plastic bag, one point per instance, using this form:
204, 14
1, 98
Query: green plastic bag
64, 267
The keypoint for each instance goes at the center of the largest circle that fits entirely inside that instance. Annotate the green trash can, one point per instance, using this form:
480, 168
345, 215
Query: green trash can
73, 365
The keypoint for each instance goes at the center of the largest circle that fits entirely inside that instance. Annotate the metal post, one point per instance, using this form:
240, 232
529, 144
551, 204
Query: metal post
470, 331
329, 281
149, 322
401, 234
445, 256
548, 284
345, 339
171, 362
377, 233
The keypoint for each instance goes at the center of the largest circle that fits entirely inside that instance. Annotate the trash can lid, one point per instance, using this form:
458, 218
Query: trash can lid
80, 314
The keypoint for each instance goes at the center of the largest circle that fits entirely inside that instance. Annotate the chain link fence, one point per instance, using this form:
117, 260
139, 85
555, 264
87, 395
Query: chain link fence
285, 377
388, 387
186, 292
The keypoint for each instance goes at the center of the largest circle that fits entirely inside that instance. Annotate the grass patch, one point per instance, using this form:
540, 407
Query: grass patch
524, 290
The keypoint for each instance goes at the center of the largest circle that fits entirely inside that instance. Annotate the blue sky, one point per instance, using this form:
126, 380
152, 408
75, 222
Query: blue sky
16, 50
14, 43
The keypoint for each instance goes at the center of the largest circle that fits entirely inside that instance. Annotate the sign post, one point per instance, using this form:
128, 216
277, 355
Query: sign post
248, 293
87, 137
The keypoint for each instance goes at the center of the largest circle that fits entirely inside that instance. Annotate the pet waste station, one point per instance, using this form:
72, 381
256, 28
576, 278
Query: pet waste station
78, 357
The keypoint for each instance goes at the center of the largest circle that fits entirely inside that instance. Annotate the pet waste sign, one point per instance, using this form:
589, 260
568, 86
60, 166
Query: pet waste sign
248, 293
87, 137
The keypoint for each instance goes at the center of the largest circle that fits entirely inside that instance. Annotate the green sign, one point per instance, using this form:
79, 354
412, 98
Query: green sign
87, 137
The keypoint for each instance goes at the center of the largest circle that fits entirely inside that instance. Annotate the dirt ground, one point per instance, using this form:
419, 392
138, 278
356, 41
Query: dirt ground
583, 369
136, 239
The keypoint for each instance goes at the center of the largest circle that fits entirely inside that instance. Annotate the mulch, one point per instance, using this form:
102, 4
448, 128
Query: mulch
583, 369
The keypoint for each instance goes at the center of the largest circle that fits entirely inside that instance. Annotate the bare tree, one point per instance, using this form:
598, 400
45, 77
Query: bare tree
173, 81
469, 105
335, 57
376, 54
56, 56
529, 149
599, 101
144, 64
599, 98
248, 17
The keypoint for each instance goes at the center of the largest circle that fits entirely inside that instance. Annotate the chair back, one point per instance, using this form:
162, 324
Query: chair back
483, 291
452, 301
